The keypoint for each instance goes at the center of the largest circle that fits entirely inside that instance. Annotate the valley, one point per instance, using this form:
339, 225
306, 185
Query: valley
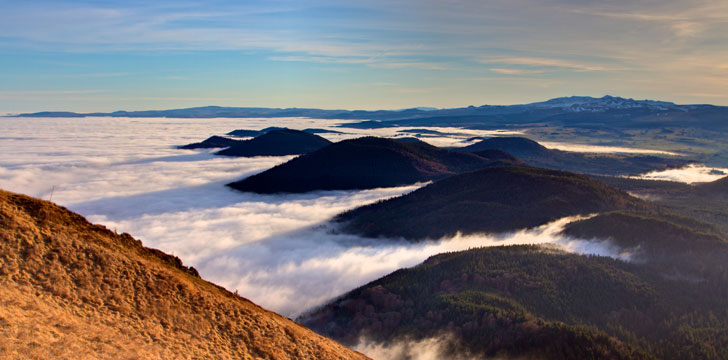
511, 234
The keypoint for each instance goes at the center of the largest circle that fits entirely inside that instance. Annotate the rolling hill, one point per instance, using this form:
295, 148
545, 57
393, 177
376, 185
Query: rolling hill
71, 289
362, 163
535, 154
704, 201
211, 143
277, 143
253, 133
534, 302
496, 199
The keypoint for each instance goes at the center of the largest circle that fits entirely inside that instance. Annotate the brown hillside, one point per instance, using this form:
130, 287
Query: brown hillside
71, 289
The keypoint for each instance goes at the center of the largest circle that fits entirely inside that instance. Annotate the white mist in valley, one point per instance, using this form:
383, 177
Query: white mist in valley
693, 173
602, 149
298, 270
276, 250
433, 348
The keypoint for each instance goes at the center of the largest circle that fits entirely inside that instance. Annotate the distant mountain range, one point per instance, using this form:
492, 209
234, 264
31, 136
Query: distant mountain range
571, 104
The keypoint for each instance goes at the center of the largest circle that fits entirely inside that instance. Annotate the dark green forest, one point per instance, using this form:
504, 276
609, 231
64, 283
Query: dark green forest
538, 302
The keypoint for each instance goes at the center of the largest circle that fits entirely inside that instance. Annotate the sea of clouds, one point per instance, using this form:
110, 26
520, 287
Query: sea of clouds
277, 250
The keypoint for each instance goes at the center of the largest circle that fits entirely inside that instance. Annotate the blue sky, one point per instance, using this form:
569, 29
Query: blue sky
111, 55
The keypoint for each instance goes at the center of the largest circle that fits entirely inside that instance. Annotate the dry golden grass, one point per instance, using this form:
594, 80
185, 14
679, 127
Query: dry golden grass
70, 289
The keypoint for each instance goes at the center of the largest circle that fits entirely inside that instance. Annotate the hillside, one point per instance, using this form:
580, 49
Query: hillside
497, 199
211, 142
704, 201
717, 188
517, 146
535, 154
254, 133
679, 246
70, 289
277, 143
533, 302
362, 163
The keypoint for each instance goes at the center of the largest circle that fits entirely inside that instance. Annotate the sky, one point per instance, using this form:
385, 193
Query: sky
370, 54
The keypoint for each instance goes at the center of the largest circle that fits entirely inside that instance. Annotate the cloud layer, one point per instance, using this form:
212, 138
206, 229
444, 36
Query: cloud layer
690, 174
277, 250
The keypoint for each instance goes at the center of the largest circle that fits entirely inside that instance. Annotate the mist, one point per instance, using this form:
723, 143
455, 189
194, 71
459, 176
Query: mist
277, 250
693, 173
602, 149
432, 348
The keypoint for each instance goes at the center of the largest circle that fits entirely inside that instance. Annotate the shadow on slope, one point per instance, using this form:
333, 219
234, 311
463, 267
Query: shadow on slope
363, 163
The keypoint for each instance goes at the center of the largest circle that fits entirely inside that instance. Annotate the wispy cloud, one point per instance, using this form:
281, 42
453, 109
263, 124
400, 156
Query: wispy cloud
584, 46
505, 71
410, 65
39, 95
544, 63
413, 91
94, 75
322, 59
708, 95
48, 92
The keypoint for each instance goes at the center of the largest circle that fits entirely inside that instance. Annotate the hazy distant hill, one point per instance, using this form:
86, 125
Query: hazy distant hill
718, 188
704, 201
535, 154
580, 111
531, 302
211, 142
678, 245
70, 289
490, 200
277, 143
254, 133
362, 163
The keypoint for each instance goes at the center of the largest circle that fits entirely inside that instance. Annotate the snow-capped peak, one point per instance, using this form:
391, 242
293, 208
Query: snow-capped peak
591, 104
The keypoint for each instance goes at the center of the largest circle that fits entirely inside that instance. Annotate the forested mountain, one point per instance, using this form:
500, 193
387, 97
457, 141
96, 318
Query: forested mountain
363, 163
212, 142
535, 154
533, 302
496, 199
277, 143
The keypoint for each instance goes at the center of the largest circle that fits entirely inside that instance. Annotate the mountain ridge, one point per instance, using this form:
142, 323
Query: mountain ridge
491, 200
221, 111
536, 302
362, 163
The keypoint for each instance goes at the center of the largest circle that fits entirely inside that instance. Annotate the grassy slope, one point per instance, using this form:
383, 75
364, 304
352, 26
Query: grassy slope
70, 289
